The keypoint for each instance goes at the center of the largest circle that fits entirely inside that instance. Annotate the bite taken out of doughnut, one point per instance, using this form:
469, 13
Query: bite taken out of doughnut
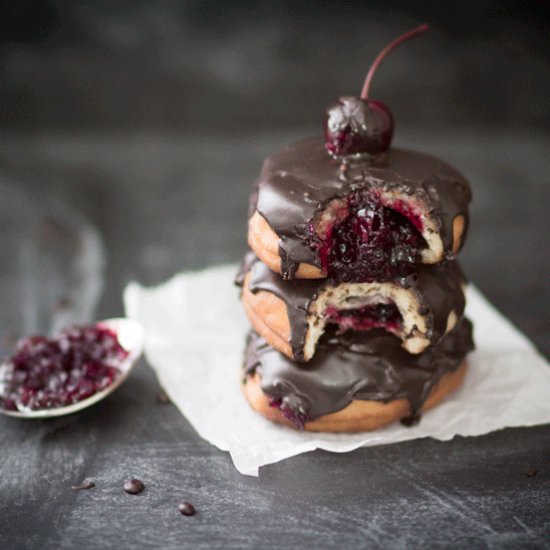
355, 219
292, 315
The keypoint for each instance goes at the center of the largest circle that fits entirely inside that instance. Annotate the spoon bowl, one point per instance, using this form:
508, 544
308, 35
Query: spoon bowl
131, 336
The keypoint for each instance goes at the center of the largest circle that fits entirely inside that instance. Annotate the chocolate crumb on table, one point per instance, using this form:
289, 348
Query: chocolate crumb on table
186, 509
83, 486
163, 399
134, 486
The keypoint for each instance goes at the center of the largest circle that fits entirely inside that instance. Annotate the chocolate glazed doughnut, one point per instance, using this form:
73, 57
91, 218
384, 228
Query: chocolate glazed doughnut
355, 382
292, 315
356, 219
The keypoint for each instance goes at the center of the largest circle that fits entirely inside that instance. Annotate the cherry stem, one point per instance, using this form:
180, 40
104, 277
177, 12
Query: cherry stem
403, 38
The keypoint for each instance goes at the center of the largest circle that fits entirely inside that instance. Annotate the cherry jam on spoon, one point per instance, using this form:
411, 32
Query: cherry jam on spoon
49, 377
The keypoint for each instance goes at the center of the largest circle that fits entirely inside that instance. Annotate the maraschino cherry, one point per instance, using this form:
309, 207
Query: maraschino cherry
358, 125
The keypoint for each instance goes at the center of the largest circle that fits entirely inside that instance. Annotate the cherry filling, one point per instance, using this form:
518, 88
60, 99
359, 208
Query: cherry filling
291, 411
371, 241
46, 373
385, 316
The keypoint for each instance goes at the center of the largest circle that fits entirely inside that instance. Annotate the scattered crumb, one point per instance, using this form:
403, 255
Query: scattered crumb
187, 509
84, 485
162, 398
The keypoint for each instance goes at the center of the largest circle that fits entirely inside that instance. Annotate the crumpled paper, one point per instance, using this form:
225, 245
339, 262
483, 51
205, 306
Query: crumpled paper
195, 335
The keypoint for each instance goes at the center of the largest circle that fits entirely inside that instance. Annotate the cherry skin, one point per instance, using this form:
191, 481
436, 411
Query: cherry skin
355, 125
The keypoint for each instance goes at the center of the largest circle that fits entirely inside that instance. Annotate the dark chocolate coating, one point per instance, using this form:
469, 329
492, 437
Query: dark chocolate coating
296, 184
438, 287
356, 365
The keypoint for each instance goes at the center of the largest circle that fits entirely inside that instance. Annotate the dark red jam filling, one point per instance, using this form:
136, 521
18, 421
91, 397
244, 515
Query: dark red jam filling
372, 242
385, 316
46, 373
291, 413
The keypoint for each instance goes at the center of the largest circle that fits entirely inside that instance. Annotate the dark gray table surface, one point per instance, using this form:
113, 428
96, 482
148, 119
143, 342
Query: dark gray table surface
130, 135
162, 203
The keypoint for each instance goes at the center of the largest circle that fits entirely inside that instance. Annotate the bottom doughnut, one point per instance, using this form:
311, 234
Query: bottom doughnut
356, 381
358, 416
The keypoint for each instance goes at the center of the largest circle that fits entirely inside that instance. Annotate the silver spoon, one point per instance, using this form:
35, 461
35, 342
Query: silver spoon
131, 337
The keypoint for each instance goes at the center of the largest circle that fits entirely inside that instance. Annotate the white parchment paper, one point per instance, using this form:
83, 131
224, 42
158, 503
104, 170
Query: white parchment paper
195, 334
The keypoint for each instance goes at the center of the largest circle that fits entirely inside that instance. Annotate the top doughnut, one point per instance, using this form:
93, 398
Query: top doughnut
358, 218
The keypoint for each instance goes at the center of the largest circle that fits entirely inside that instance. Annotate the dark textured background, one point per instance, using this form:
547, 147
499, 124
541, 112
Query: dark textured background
131, 133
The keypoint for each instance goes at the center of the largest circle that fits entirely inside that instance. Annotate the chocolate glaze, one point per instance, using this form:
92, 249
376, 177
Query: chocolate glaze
357, 365
438, 287
296, 184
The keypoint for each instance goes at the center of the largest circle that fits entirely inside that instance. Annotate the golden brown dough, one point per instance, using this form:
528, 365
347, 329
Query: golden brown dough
458, 231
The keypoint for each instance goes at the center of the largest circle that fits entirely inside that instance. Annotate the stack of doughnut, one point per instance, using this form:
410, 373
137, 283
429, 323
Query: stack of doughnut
352, 288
